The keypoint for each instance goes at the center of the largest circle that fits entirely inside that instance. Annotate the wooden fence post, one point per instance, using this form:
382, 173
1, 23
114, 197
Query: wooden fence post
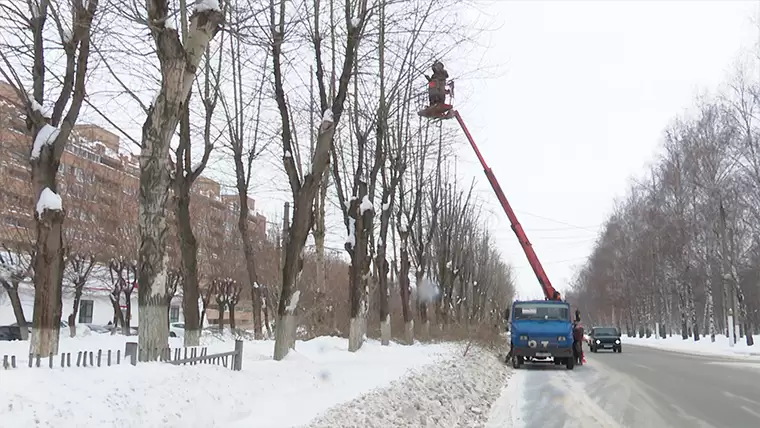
130, 350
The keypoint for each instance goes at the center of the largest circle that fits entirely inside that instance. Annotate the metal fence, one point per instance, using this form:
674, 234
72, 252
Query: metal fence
100, 358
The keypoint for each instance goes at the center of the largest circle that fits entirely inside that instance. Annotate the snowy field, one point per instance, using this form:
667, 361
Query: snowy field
320, 374
704, 346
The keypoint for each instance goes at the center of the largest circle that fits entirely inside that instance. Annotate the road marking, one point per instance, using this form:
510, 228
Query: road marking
750, 411
730, 395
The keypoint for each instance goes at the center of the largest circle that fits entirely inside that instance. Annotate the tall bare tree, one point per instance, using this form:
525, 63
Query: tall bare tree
244, 131
50, 129
305, 188
178, 63
184, 173
15, 267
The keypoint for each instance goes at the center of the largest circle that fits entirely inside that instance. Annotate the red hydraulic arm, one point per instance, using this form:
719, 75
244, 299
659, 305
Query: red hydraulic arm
549, 291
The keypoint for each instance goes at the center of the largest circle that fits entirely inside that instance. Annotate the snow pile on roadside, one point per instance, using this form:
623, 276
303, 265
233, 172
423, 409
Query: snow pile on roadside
704, 346
457, 392
318, 375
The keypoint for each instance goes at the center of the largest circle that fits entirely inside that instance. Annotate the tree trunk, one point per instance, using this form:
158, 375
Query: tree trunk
78, 288
18, 309
405, 288
118, 316
232, 316
127, 321
287, 311
48, 277
189, 252
250, 260
320, 232
359, 269
422, 307
221, 307
385, 292
178, 66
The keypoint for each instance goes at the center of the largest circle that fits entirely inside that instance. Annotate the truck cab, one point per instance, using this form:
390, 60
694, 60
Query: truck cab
541, 329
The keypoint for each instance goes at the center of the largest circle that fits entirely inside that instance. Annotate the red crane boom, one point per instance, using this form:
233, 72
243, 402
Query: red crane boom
549, 292
439, 109
445, 111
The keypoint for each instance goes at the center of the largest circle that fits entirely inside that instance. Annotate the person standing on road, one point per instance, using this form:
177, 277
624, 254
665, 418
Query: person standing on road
578, 342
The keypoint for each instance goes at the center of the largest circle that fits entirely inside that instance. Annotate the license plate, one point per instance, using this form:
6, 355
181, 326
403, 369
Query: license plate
608, 346
543, 354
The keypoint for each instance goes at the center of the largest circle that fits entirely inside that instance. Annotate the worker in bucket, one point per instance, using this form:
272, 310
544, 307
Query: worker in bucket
437, 84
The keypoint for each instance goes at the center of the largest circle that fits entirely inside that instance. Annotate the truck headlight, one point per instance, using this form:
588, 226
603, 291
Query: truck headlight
597, 341
523, 337
562, 338
617, 342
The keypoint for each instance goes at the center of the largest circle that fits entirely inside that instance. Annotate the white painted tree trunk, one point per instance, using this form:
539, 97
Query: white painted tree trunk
385, 331
192, 338
409, 332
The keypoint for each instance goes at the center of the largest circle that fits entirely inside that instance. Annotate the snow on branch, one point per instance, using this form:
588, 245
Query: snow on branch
204, 5
366, 205
46, 137
49, 200
46, 112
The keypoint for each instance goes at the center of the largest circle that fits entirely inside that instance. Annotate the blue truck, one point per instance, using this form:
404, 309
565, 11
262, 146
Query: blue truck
540, 330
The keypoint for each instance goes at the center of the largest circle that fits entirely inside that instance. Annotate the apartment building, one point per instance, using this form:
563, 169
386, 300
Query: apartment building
98, 181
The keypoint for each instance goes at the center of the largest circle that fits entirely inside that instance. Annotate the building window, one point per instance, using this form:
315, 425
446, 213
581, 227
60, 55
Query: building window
85, 311
174, 314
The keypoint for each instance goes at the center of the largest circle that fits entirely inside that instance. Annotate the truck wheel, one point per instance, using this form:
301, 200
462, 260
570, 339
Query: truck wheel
570, 363
517, 362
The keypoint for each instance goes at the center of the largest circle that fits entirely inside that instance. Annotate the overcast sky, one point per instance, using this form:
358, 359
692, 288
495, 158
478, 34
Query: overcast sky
579, 106
575, 107
578, 96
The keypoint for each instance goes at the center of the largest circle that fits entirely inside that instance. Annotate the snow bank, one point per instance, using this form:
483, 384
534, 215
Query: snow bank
703, 347
458, 392
318, 375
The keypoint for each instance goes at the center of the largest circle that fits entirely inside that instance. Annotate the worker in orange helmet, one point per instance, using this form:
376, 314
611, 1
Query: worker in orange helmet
437, 84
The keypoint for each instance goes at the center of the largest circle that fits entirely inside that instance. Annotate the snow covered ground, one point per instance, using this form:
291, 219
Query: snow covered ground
704, 346
320, 374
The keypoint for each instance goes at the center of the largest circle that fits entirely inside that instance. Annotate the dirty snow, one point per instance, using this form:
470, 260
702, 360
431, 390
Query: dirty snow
318, 375
49, 200
46, 136
455, 393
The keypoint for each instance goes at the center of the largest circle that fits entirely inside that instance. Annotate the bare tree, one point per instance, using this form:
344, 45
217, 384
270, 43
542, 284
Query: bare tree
80, 265
185, 173
16, 267
50, 129
232, 289
175, 281
179, 62
304, 189
243, 114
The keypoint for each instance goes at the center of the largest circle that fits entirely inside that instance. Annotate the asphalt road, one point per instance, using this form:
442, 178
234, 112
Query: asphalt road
642, 387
